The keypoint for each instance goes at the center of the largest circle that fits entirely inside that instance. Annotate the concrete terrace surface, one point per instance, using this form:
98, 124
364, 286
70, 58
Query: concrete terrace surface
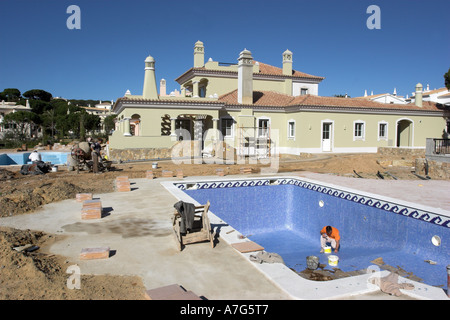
137, 227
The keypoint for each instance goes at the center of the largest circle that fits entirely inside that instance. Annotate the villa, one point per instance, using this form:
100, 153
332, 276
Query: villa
259, 110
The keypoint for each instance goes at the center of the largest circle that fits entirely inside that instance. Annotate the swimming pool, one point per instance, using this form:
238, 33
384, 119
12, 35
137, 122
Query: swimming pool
21, 158
285, 215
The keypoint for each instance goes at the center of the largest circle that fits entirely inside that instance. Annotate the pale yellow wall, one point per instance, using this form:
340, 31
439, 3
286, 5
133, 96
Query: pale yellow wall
220, 86
308, 128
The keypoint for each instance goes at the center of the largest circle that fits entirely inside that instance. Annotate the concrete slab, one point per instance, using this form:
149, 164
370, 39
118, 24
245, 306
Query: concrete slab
138, 232
137, 229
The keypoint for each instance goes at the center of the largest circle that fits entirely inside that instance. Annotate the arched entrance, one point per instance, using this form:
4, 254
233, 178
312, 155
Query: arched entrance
135, 123
405, 133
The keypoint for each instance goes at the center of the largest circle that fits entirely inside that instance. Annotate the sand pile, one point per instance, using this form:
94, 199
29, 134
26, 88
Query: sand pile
38, 275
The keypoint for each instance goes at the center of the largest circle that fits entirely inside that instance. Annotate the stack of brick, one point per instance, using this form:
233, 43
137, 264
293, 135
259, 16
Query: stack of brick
220, 172
94, 253
81, 197
92, 209
246, 170
180, 174
149, 174
167, 174
123, 184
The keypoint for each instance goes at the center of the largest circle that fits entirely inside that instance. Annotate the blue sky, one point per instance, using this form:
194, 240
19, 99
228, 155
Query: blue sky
329, 38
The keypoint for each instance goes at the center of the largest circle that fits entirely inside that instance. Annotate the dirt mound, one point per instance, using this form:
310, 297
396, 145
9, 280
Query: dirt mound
38, 275
359, 163
26, 195
6, 175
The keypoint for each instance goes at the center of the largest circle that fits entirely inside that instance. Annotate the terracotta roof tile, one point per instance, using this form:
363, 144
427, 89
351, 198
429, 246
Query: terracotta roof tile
275, 99
271, 70
310, 100
260, 98
264, 69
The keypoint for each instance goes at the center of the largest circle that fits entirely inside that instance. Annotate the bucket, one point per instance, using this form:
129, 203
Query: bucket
155, 165
333, 260
327, 249
312, 262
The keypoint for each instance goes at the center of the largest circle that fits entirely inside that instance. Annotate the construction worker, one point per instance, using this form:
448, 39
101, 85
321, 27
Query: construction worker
96, 154
330, 235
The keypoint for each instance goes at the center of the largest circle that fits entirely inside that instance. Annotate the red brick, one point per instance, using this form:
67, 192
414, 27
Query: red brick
167, 174
80, 197
94, 253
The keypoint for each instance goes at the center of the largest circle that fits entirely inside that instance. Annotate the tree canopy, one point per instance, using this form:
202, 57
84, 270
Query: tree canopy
38, 94
55, 116
10, 94
447, 79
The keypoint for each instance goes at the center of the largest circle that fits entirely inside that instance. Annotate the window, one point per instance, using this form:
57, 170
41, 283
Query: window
291, 129
304, 91
382, 131
263, 126
358, 133
202, 92
227, 127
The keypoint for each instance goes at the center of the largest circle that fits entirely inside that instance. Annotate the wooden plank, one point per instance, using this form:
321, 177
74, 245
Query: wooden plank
170, 292
162, 292
198, 236
187, 295
247, 246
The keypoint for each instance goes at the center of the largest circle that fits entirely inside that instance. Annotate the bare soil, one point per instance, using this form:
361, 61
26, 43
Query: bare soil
39, 275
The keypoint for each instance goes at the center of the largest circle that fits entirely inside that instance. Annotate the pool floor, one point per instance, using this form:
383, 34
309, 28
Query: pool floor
294, 249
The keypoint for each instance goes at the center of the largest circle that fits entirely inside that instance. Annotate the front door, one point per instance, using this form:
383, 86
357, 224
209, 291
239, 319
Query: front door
326, 136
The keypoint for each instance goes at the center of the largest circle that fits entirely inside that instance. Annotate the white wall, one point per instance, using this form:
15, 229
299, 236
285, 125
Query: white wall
313, 88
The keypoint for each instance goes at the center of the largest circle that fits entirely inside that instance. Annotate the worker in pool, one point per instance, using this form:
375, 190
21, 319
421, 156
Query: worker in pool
330, 235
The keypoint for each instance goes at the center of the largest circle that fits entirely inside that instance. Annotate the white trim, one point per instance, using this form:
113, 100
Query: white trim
412, 132
363, 130
331, 134
232, 127
268, 124
386, 133
297, 151
289, 136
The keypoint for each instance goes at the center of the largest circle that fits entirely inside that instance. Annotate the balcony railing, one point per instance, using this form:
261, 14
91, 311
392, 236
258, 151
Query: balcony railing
441, 146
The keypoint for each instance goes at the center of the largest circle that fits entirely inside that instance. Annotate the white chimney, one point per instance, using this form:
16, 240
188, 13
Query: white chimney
418, 96
245, 77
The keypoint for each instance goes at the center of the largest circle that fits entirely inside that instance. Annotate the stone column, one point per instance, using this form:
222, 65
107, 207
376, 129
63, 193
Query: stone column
195, 89
172, 126
126, 129
215, 126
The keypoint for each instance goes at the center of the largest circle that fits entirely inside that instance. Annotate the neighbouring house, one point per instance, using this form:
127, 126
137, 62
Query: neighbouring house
11, 107
260, 110
101, 109
392, 98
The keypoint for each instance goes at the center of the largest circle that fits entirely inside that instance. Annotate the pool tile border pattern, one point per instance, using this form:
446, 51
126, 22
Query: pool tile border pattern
394, 207
287, 280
